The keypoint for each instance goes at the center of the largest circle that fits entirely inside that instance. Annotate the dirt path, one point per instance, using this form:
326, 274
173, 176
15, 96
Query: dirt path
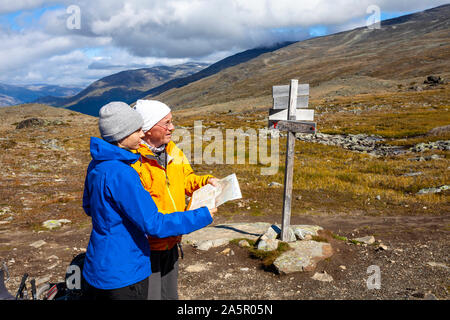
415, 266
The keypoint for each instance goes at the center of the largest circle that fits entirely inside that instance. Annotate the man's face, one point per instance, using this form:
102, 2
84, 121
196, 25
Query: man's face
161, 133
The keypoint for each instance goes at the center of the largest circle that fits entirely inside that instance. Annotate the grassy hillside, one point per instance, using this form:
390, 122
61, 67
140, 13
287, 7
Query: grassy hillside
403, 51
43, 168
369, 82
330, 179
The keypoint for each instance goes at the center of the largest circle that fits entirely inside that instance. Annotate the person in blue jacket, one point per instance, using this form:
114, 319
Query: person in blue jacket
117, 263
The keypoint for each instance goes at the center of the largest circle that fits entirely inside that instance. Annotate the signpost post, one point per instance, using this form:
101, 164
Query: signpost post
294, 98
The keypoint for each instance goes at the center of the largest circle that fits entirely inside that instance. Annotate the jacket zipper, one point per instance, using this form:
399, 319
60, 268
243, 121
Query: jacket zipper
167, 179
168, 183
168, 190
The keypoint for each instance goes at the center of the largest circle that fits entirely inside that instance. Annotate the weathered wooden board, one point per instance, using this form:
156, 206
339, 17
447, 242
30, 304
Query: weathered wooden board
283, 102
300, 114
296, 126
283, 91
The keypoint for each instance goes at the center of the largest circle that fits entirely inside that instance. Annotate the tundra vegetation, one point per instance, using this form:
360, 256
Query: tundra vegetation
43, 167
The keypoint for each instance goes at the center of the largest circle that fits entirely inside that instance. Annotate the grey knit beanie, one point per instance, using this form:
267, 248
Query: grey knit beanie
118, 120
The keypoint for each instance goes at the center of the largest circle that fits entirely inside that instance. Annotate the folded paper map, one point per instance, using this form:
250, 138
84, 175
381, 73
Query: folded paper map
227, 189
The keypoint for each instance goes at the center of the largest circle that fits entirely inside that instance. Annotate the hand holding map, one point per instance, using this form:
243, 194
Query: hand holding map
227, 189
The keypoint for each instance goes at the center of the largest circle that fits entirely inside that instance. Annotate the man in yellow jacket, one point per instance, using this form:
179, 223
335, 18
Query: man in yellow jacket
166, 174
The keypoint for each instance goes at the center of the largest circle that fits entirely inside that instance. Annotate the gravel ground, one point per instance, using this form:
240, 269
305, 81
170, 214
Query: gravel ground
414, 266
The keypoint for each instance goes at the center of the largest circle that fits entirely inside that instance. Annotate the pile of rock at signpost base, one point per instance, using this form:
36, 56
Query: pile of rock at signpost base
304, 256
306, 252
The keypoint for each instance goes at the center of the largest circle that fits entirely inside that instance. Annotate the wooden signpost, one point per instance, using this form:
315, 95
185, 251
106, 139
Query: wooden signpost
292, 100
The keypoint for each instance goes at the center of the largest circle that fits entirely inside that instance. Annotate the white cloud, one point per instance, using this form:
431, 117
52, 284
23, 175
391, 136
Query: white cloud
79, 67
144, 32
28, 47
196, 28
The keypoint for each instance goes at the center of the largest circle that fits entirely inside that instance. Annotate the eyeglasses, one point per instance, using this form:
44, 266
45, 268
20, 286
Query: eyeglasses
166, 125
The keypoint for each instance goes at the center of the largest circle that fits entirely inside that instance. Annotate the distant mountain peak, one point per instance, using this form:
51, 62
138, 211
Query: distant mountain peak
127, 86
18, 94
361, 60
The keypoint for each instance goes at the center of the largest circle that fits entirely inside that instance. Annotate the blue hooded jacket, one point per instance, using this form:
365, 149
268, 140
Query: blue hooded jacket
123, 214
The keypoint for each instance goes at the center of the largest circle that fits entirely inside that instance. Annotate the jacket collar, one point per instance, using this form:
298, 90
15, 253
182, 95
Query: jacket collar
146, 152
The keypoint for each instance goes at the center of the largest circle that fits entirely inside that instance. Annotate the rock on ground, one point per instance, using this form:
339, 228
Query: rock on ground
267, 244
51, 224
324, 277
433, 190
366, 240
218, 235
301, 231
304, 256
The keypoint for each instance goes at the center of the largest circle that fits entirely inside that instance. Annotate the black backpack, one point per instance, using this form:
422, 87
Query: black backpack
75, 284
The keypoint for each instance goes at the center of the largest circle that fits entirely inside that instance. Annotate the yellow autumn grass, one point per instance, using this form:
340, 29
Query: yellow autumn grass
334, 180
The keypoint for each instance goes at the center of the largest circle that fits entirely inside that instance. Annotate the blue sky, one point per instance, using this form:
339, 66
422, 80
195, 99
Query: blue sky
23, 19
38, 46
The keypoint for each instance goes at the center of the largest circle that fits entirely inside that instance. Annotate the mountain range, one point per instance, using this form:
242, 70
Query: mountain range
126, 86
130, 85
399, 54
16, 94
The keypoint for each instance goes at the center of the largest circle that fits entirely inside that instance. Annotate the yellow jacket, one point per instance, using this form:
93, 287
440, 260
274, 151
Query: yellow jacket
169, 186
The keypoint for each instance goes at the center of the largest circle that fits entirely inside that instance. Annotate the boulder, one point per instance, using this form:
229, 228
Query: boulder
31, 122
413, 174
52, 224
244, 244
322, 276
207, 244
267, 244
223, 233
354, 142
435, 145
37, 244
434, 80
275, 184
204, 245
433, 190
272, 232
301, 231
382, 246
439, 130
226, 252
366, 240
52, 144
290, 236
304, 256
196, 268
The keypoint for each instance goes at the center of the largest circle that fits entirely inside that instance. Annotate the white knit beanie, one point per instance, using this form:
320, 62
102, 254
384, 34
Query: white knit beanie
152, 112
